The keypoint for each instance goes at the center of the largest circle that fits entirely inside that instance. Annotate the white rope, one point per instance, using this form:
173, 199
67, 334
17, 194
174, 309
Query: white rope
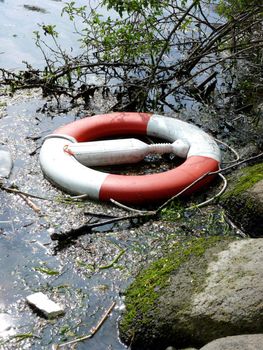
231, 149
214, 197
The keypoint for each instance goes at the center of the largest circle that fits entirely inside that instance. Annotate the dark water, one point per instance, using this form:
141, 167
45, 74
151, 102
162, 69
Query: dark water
82, 286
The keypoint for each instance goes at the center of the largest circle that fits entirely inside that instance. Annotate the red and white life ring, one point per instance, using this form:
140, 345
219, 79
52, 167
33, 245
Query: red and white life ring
66, 172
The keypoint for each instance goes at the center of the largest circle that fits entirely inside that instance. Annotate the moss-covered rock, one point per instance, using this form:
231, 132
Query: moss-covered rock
143, 296
244, 199
200, 292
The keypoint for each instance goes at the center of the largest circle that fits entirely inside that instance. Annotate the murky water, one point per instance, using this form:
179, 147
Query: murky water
82, 285
85, 282
18, 20
25, 246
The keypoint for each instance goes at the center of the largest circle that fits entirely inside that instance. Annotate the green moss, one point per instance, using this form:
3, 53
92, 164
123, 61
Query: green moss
141, 296
174, 211
249, 177
3, 104
242, 205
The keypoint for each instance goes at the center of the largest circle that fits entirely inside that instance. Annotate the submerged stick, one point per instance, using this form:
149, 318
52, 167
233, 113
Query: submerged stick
30, 203
93, 330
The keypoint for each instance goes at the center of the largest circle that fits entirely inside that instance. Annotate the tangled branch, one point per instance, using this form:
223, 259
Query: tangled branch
147, 55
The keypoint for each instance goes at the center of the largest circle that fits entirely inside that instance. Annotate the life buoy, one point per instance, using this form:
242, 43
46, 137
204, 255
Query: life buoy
66, 172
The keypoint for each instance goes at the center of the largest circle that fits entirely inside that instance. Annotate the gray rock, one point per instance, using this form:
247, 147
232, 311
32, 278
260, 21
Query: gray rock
172, 348
215, 292
238, 342
5, 163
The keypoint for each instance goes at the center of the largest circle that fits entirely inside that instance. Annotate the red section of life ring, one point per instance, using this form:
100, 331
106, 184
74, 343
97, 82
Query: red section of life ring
103, 125
141, 188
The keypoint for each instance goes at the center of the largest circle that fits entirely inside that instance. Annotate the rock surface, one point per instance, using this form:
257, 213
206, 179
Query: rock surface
244, 200
211, 289
238, 342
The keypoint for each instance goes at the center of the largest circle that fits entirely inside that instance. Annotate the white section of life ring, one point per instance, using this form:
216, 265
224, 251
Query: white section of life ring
201, 144
67, 172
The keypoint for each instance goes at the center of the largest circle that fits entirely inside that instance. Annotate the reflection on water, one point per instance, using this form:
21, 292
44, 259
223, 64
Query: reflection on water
35, 8
18, 20
6, 323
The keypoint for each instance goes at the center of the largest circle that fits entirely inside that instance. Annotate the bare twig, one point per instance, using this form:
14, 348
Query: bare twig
30, 203
26, 194
122, 218
224, 59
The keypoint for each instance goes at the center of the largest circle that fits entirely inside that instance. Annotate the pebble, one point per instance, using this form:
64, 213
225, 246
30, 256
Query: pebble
5, 163
48, 307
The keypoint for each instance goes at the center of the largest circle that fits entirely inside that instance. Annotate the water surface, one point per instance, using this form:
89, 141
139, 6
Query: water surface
20, 18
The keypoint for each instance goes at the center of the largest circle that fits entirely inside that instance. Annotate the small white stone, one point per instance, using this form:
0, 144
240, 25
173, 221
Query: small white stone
5, 163
45, 305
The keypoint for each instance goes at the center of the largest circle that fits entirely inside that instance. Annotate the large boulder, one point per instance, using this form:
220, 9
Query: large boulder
238, 342
244, 200
204, 290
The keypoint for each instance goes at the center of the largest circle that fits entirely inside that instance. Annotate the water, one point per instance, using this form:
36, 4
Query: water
25, 246
25, 243
18, 20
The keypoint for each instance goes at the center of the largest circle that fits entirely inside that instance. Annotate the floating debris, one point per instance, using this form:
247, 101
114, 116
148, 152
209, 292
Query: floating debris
48, 307
35, 8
